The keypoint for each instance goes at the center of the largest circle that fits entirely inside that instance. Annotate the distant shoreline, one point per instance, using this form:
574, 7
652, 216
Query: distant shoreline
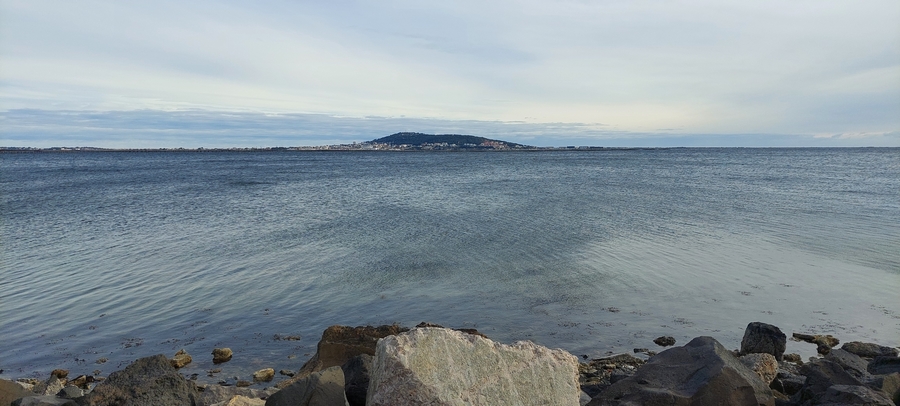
351, 148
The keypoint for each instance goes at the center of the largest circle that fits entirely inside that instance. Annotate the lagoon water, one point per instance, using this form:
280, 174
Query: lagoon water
119, 255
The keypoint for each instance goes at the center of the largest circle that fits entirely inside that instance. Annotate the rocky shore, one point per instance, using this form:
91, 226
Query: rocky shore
430, 364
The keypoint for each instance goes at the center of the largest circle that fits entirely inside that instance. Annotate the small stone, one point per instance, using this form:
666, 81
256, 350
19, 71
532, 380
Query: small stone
181, 359
264, 375
215, 371
243, 384
221, 355
664, 341
60, 373
795, 358
286, 372
102, 360
70, 392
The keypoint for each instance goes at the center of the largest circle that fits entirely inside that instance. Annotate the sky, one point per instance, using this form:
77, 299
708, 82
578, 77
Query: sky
537, 72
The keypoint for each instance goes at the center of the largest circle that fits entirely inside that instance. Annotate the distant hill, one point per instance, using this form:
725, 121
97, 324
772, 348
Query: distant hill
451, 140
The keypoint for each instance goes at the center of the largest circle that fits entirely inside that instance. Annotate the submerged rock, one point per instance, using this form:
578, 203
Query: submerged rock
221, 355
765, 339
264, 375
700, 373
664, 341
442, 366
181, 359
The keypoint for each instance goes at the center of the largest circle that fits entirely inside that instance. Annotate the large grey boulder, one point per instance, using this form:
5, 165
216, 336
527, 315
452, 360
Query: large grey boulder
764, 338
700, 373
322, 388
147, 381
437, 366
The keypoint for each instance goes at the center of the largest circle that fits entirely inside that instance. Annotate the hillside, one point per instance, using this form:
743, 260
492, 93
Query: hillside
446, 140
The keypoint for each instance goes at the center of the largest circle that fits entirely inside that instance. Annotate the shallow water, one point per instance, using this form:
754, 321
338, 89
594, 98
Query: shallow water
121, 255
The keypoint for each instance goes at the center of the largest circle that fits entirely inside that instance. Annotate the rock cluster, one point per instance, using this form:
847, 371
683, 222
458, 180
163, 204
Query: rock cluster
391, 365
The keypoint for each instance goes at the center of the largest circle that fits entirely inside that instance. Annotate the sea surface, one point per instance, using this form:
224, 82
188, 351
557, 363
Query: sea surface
119, 255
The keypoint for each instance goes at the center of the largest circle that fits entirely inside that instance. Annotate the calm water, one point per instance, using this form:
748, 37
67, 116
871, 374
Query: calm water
122, 255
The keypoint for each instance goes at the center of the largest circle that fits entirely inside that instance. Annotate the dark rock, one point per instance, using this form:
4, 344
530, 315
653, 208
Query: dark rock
821, 375
356, 379
884, 365
889, 385
664, 341
150, 380
286, 372
221, 355
242, 383
869, 350
339, 344
853, 395
45, 400
323, 388
10, 391
594, 389
701, 372
763, 338
788, 384
851, 363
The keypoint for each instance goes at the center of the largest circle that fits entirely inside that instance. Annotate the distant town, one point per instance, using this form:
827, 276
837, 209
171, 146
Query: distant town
404, 141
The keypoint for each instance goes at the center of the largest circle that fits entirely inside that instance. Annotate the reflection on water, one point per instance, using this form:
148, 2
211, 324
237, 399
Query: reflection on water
120, 255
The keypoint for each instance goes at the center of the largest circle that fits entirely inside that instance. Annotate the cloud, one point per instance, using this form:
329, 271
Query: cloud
222, 129
767, 67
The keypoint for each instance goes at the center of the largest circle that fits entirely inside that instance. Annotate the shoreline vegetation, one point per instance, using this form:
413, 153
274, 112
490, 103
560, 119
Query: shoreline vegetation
430, 364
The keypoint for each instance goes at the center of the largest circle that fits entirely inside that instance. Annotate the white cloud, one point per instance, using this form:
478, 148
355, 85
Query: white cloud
806, 67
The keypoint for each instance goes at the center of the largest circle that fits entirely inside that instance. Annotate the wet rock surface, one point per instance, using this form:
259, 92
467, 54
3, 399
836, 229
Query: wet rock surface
701, 372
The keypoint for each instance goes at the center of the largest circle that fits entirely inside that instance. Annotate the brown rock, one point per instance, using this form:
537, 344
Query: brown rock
824, 343
243, 384
341, 343
264, 375
664, 341
181, 359
763, 364
221, 355
60, 373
